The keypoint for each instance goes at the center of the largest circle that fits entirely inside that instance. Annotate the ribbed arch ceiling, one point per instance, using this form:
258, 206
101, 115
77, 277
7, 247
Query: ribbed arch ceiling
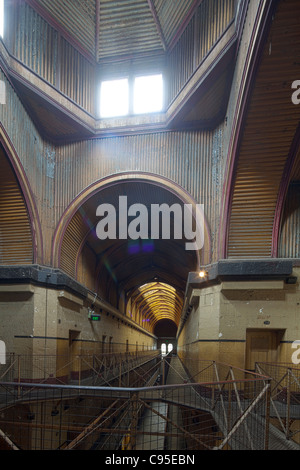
16, 238
157, 301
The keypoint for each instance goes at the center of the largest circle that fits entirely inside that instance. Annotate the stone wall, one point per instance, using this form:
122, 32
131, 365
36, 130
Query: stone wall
227, 316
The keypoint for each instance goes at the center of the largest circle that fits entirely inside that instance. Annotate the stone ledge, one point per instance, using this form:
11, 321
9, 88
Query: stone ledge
42, 276
243, 270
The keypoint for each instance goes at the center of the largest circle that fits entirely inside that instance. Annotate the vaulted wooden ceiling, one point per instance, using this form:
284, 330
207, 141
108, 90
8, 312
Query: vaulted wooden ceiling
157, 301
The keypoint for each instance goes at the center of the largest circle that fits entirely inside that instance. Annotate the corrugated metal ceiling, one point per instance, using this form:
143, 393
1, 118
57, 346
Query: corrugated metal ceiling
105, 28
270, 128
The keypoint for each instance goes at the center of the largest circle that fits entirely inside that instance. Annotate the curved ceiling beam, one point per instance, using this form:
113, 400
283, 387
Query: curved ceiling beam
260, 29
267, 129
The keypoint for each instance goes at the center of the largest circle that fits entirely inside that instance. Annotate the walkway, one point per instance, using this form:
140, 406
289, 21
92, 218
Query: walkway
249, 433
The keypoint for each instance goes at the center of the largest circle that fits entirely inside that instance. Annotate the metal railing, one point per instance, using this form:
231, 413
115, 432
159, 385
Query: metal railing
118, 368
285, 397
226, 408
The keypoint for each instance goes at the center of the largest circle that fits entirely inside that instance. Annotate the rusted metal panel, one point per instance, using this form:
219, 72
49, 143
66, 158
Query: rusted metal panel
181, 62
77, 77
126, 28
40, 47
205, 28
185, 157
35, 42
212, 20
171, 15
77, 19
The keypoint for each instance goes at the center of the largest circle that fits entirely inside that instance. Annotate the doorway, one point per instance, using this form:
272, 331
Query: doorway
74, 354
262, 346
166, 348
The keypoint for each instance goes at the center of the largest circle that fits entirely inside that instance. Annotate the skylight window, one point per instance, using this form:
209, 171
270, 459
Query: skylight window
133, 95
1, 17
148, 94
114, 98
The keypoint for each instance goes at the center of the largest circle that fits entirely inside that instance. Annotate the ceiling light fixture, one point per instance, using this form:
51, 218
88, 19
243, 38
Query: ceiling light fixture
202, 273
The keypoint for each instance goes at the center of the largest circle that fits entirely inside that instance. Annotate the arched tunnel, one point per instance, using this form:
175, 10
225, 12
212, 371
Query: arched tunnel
141, 275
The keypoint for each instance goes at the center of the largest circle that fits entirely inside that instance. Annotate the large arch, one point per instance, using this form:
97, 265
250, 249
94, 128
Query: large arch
116, 269
21, 231
73, 210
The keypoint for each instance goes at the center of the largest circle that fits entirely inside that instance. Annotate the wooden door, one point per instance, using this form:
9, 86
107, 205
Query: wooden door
262, 346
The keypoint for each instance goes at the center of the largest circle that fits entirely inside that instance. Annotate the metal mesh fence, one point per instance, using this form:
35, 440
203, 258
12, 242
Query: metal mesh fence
117, 368
229, 413
285, 397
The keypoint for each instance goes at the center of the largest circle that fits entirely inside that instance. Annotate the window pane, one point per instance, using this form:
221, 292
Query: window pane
114, 98
148, 94
1, 17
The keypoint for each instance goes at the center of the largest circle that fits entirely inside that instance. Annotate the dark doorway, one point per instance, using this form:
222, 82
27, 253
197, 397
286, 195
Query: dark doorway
166, 331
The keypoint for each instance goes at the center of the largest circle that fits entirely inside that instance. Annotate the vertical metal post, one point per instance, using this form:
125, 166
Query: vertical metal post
134, 422
120, 373
93, 369
42, 432
288, 404
267, 414
229, 408
79, 369
19, 376
128, 370
105, 371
